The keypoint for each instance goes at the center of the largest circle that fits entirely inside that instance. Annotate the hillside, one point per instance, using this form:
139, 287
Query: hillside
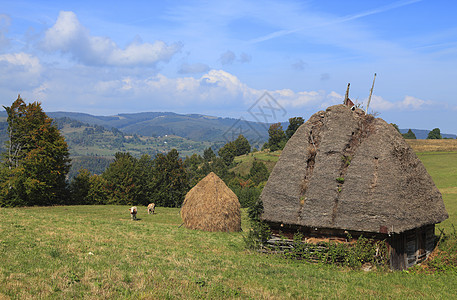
195, 127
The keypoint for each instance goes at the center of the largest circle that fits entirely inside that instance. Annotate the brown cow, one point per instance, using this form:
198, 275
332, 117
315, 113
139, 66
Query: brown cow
151, 208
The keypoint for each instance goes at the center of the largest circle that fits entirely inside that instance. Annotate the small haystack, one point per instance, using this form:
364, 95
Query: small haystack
211, 206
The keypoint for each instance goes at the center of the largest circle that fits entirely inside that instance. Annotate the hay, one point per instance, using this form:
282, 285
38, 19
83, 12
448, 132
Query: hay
211, 206
362, 176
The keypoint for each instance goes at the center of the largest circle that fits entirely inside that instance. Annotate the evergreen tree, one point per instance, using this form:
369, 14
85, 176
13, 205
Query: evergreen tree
170, 183
258, 172
277, 137
294, 123
434, 134
123, 181
409, 135
228, 153
242, 145
209, 154
37, 160
79, 187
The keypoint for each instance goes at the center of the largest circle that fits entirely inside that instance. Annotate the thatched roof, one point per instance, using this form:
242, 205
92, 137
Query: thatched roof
344, 169
211, 206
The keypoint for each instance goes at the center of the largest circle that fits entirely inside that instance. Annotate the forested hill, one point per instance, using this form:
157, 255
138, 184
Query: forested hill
195, 127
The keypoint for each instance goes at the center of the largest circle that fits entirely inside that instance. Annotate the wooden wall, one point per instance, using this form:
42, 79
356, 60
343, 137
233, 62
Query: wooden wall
411, 247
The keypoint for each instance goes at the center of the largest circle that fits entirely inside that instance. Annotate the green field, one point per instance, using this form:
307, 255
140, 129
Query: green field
98, 252
244, 162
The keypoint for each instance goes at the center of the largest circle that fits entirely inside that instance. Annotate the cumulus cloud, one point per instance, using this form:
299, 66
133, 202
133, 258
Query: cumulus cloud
193, 68
216, 88
408, 103
19, 70
69, 36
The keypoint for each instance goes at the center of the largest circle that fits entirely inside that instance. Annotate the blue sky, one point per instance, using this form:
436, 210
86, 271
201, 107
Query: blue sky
220, 57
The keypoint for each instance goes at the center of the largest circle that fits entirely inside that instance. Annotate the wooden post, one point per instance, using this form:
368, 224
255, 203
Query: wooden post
371, 92
346, 97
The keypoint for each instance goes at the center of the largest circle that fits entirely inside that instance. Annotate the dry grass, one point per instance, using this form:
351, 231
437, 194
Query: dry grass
211, 206
443, 145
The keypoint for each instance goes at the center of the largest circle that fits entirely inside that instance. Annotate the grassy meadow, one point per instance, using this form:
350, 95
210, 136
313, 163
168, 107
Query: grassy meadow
97, 252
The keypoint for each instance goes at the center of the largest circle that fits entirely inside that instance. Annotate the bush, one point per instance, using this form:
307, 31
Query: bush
259, 232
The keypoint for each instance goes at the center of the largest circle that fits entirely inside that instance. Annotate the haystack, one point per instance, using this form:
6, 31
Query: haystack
211, 206
346, 171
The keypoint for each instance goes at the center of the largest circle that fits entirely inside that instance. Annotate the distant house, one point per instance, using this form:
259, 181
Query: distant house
347, 172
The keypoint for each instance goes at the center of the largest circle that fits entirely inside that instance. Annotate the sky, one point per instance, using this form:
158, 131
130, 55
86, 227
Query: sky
254, 60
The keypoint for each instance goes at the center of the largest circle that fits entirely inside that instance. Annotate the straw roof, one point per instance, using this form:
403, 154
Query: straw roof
211, 206
344, 169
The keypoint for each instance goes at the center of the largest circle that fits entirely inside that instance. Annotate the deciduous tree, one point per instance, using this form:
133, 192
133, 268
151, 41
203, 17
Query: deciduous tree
434, 134
294, 123
37, 160
277, 137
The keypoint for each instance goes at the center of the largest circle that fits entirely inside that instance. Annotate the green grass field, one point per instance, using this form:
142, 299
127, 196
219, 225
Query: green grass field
97, 252
244, 162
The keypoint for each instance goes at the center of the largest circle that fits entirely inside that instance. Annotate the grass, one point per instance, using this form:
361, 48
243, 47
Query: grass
442, 145
244, 162
98, 252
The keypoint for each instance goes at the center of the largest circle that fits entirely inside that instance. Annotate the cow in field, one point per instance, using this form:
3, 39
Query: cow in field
133, 210
151, 208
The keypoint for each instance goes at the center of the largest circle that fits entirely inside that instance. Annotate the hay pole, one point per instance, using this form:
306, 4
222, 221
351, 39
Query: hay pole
371, 92
346, 97
181, 225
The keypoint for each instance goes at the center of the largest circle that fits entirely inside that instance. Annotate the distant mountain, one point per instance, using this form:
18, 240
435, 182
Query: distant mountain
195, 127
422, 134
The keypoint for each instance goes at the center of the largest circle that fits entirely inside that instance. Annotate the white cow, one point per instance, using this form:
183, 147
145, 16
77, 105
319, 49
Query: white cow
151, 208
133, 212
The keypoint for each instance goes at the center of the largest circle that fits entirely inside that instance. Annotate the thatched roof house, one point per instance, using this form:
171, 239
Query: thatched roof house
345, 171
211, 206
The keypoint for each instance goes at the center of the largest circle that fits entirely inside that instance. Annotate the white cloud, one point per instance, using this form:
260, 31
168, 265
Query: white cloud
408, 103
69, 36
19, 70
25, 61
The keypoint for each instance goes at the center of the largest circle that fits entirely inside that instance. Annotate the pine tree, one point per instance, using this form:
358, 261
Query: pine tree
123, 182
208, 154
37, 160
170, 180
409, 135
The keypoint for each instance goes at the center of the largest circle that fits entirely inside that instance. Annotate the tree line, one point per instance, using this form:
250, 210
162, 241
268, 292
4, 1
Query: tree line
34, 169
